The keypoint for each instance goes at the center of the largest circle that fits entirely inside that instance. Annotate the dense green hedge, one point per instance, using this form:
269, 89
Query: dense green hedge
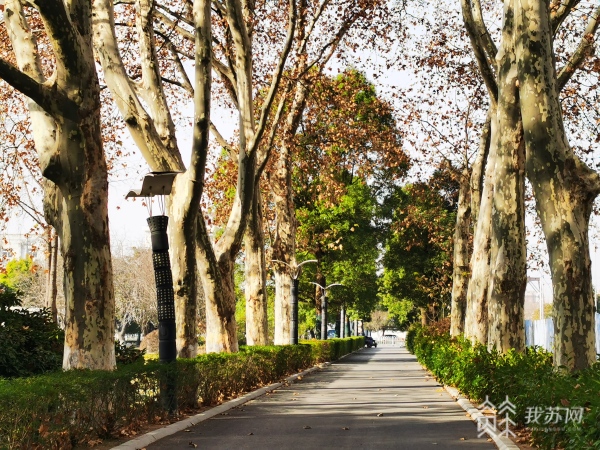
63, 409
528, 379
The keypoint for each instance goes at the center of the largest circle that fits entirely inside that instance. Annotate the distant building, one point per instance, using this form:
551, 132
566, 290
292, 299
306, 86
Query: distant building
18, 246
533, 298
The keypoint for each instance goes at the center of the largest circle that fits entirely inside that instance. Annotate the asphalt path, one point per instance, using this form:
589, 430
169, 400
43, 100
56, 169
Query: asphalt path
378, 398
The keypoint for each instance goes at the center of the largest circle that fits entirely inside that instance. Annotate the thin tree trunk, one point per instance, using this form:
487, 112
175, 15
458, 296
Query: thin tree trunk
564, 189
51, 276
257, 332
284, 245
460, 276
478, 169
476, 318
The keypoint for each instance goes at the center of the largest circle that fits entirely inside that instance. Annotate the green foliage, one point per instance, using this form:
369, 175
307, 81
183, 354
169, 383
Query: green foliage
128, 355
16, 271
62, 409
31, 342
418, 252
528, 379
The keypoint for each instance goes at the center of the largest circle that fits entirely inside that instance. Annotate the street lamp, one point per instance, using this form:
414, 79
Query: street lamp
160, 184
324, 308
295, 273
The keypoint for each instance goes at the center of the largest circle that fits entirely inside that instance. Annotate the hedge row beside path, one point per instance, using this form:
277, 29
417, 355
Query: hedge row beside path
528, 379
65, 409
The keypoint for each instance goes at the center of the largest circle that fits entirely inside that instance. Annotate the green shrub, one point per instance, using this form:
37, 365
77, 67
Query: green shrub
31, 342
128, 355
528, 379
62, 409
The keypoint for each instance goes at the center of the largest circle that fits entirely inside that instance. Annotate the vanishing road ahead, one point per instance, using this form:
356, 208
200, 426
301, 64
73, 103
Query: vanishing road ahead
378, 398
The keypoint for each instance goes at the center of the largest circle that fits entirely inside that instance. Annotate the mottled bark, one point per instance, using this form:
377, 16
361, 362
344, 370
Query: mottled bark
460, 276
257, 332
218, 284
153, 131
73, 159
478, 169
508, 254
284, 244
564, 188
52, 274
476, 317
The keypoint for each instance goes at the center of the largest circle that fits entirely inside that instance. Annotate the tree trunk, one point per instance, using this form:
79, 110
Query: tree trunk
257, 332
424, 319
564, 189
460, 276
508, 253
476, 317
478, 169
182, 231
219, 291
51, 276
284, 245
72, 158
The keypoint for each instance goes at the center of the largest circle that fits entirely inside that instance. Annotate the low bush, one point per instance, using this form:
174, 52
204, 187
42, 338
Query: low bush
528, 379
31, 342
64, 409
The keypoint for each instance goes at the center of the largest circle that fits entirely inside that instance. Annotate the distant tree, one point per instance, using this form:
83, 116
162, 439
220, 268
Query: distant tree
135, 290
418, 252
380, 321
25, 276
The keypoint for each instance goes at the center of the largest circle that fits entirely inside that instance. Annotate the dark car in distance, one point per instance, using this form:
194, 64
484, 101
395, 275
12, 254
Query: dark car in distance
370, 342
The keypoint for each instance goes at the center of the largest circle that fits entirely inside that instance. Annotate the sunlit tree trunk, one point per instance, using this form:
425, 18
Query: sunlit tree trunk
508, 254
257, 332
73, 159
284, 245
476, 317
564, 188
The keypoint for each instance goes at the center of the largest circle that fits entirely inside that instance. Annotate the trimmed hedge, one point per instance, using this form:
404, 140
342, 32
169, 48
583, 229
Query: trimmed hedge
528, 379
64, 409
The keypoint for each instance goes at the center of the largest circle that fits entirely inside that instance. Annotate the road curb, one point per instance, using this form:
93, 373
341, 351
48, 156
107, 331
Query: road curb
153, 436
503, 442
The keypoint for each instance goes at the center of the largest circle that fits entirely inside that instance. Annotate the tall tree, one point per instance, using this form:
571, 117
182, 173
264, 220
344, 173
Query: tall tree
232, 59
350, 131
325, 28
65, 114
524, 88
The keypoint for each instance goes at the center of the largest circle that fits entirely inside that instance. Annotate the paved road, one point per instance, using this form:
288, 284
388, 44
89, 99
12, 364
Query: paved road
374, 399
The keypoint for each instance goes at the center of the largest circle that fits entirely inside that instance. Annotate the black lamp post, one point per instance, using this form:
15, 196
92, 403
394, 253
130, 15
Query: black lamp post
324, 308
160, 184
296, 270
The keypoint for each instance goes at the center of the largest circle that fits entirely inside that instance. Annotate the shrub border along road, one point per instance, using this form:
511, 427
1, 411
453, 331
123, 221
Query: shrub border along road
181, 425
528, 379
64, 409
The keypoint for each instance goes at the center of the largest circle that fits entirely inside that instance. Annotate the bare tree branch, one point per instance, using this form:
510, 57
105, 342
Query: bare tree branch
585, 47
